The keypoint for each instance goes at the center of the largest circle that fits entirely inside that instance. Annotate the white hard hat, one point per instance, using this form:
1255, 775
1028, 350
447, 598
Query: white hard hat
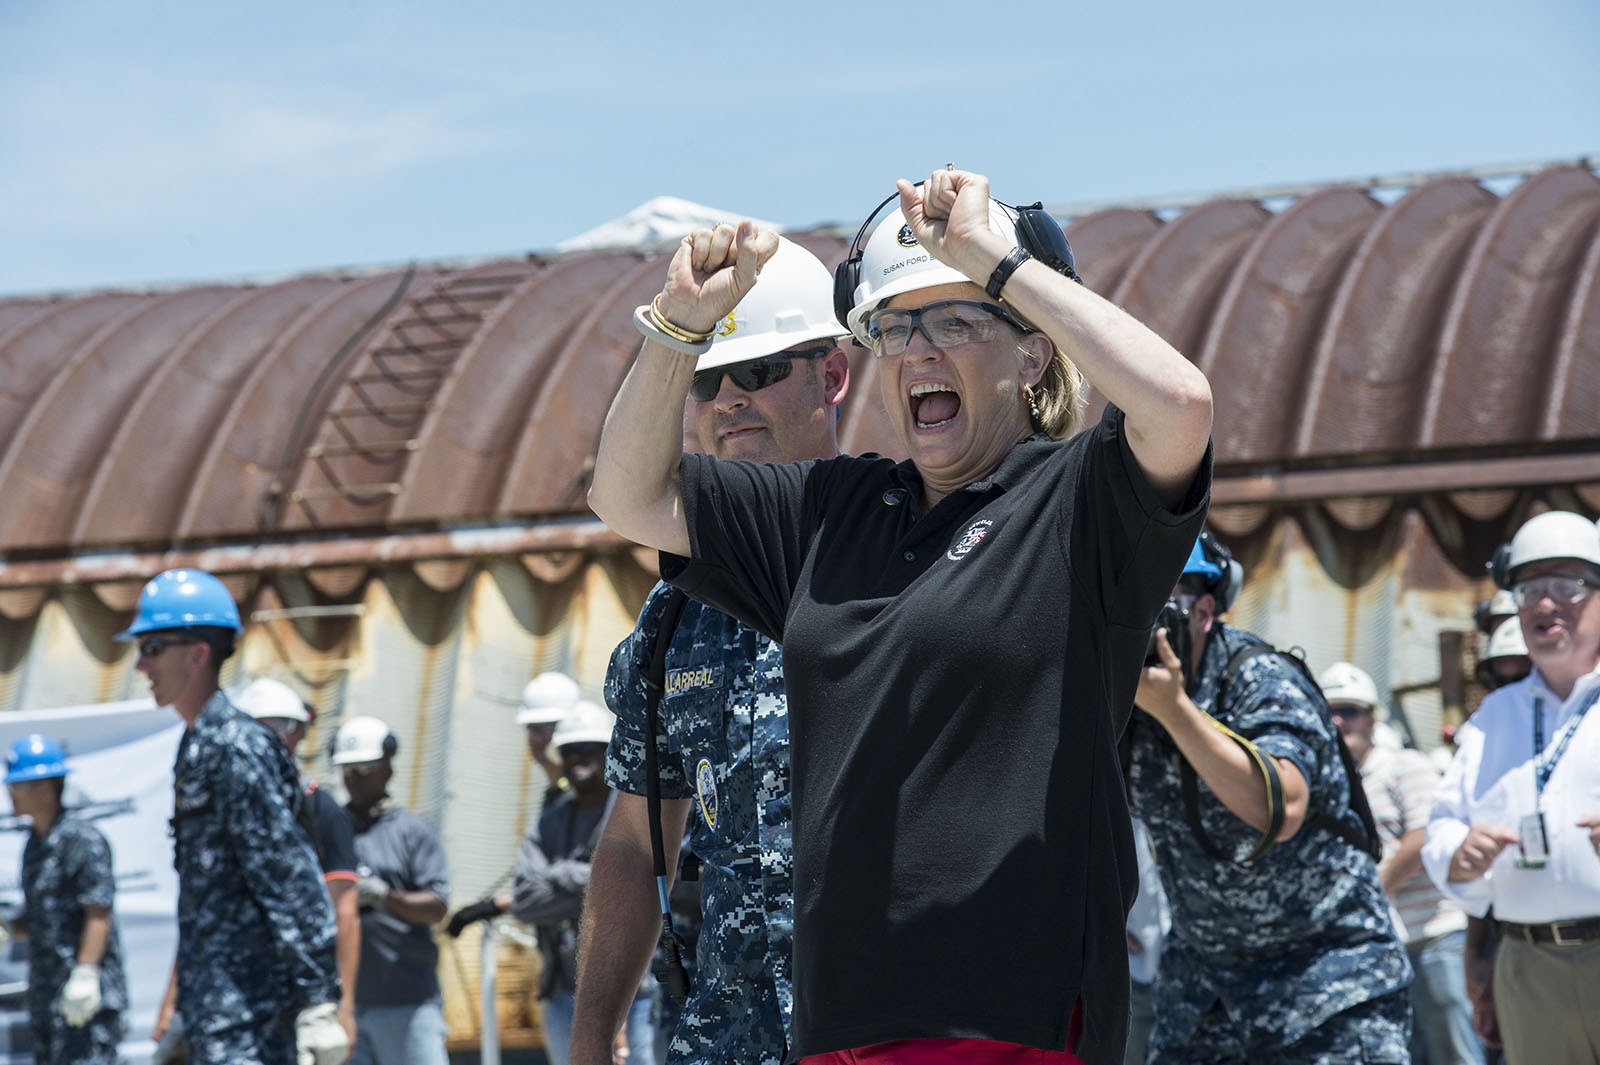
265, 697
792, 302
1501, 604
587, 723
1506, 641
1343, 682
892, 263
547, 698
363, 739
1554, 534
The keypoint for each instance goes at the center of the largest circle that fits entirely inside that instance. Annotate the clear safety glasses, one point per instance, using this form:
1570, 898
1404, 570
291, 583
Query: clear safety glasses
946, 324
1563, 589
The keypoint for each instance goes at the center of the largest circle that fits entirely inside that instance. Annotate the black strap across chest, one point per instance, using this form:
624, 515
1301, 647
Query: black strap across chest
1367, 840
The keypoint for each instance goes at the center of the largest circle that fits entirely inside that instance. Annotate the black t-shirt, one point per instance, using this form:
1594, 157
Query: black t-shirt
957, 683
335, 835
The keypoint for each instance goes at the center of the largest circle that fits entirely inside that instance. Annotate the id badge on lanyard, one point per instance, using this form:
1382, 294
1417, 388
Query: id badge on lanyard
1532, 837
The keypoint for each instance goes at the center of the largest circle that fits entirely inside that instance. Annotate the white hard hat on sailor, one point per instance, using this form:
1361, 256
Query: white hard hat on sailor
792, 302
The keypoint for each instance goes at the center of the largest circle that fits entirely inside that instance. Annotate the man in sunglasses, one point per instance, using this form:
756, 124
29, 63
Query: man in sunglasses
256, 978
767, 390
1516, 821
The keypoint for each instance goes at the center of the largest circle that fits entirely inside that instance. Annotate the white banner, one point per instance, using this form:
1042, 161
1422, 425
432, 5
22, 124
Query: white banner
119, 762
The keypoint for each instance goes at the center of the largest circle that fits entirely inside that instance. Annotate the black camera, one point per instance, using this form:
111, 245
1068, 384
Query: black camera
1174, 617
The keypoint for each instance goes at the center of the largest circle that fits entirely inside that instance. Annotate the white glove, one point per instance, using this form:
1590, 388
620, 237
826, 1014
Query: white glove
319, 1037
370, 892
80, 998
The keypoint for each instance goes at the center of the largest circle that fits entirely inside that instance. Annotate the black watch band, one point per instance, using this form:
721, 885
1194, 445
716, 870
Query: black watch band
1003, 272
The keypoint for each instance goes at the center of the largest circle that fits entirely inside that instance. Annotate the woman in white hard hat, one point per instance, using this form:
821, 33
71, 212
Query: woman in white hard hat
963, 632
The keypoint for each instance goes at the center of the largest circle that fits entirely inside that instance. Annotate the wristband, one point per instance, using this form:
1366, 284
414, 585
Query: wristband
1003, 272
645, 322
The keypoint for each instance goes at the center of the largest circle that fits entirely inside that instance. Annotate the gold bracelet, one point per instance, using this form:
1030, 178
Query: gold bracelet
668, 327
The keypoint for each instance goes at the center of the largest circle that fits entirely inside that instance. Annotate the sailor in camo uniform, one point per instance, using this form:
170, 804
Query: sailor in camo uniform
724, 744
767, 388
255, 927
75, 1006
1291, 958
255, 980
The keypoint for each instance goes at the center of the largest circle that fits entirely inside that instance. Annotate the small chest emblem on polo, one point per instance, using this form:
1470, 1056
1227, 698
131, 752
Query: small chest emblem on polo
968, 541
705, 787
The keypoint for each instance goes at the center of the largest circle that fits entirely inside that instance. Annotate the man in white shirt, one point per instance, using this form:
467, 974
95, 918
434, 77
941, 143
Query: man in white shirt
1516, 823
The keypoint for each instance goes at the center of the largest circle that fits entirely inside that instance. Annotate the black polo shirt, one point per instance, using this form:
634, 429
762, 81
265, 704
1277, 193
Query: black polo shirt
963, 861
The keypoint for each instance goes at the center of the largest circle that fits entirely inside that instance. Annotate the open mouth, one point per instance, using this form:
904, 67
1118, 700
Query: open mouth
933, 405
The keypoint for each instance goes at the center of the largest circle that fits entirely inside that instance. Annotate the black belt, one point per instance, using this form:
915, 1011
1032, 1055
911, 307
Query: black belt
1561, 933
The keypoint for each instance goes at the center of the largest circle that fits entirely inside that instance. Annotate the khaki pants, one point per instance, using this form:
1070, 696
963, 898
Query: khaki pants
1548, 1001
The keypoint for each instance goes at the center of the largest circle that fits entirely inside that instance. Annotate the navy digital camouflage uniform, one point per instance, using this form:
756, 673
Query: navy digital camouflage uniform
724, 743
1264, 957
255, 927
66, 870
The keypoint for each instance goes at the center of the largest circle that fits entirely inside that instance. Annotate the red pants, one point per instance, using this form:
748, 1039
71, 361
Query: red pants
953, 1052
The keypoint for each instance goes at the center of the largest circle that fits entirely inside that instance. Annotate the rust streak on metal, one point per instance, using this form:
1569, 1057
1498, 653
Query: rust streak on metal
1416, 478
475, 542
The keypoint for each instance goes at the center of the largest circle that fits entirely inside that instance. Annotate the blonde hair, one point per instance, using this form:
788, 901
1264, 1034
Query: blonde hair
1059, 397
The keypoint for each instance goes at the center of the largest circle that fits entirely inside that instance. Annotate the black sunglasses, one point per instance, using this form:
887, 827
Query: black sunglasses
751, 376
153, 648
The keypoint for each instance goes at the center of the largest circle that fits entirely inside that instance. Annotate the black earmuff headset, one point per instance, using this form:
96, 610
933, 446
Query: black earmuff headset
1499, 567
1038, 233
1225, 589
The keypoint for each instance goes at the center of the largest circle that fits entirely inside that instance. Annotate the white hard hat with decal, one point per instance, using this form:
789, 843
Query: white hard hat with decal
892, 263
792, 302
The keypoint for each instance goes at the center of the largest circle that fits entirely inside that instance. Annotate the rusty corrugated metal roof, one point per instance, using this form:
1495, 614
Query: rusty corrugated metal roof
1443, 345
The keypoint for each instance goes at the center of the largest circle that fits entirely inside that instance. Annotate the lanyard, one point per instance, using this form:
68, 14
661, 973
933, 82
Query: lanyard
1544, 762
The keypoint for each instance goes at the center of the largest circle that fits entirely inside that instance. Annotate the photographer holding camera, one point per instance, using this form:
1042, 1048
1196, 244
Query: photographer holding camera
1282, 948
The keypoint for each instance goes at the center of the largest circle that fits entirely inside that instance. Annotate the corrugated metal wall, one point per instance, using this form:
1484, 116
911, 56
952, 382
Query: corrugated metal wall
443, 667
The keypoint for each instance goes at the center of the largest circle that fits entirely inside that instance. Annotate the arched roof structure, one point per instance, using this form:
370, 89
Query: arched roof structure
1434, 354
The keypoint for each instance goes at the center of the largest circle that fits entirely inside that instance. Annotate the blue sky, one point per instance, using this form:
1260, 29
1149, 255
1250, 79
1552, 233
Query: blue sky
152, 141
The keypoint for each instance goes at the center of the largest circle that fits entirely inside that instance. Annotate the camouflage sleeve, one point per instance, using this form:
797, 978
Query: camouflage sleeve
625, 695
1273, 708
256, 795
89, 859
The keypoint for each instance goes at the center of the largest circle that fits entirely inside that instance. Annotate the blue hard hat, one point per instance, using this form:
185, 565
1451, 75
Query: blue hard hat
34, 757
1199, 564
183, 599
